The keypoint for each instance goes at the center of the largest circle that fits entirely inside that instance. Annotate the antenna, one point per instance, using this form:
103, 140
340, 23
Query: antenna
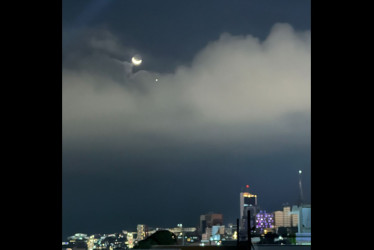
300, 189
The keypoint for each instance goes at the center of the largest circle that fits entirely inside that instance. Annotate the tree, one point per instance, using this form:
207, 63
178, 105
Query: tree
161, 237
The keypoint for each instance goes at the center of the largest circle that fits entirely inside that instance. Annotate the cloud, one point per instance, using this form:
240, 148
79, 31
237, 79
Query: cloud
238, 90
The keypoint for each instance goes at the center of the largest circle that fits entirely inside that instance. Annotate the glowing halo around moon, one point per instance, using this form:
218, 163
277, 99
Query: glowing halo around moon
136, 60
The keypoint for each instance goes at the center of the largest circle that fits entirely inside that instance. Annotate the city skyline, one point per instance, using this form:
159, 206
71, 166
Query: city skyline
218, 98
197, 225
212, 229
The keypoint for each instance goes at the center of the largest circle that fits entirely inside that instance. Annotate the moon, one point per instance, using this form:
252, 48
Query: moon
136, 60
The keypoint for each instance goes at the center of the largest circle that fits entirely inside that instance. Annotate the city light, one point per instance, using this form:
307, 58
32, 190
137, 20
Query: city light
213, 232
249, 195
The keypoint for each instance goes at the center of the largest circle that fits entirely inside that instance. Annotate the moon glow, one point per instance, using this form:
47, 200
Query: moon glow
136, 60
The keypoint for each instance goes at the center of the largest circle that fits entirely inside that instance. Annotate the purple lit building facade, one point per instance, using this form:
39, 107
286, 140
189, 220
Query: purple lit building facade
264, 221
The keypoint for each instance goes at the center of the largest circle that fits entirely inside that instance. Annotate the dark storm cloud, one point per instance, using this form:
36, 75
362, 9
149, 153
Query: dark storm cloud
172, 31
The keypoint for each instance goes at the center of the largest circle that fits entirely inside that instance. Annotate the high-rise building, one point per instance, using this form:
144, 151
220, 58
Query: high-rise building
278, 218
202, 224
286, 216
130, 240
294, 220
142, 232
303, 235
305, 212
248, 202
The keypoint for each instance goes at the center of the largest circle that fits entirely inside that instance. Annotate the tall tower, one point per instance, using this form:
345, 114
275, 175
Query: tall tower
301, 198
248, 201
142, 232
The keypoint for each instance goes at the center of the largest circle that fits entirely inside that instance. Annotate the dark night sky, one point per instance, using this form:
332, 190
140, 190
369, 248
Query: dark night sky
231, 107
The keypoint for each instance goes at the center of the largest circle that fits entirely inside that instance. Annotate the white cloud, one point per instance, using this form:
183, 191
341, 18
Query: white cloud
237, 88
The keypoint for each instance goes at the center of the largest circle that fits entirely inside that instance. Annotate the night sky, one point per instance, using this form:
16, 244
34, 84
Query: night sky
231, 107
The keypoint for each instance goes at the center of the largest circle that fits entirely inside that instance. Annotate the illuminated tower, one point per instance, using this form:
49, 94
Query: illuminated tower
301, 198
248, 201
142, 232
130, 240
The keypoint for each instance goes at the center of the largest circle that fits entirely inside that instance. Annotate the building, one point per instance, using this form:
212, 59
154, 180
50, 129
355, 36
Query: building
142, 232
305, 213
295, 216
213, 234
284, 218
182, 230
92, 241
130, 240
278, 219
216, 233
294, 220
78, 240
209, 220
301, 218
78, 236
248, 202
202, 226
303, 235
286, 215
264, 222
230, 229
